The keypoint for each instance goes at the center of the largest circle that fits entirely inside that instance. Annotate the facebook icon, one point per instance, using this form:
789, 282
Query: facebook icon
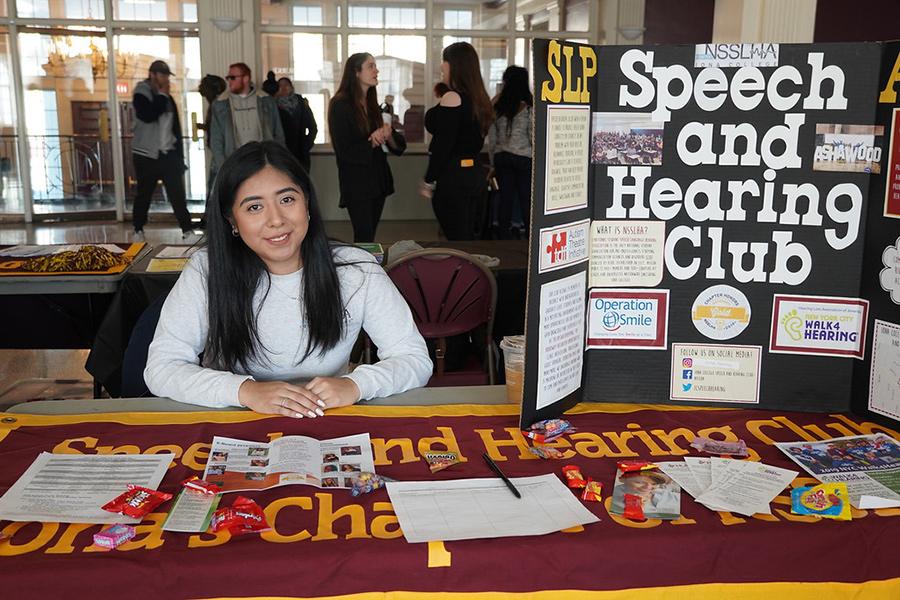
687, 374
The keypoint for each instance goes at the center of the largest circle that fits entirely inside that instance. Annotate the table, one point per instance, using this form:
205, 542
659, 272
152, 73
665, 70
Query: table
55, 311
325, 543
140, 288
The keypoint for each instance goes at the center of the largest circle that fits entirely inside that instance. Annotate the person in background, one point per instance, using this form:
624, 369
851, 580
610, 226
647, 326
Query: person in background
297, 120
279, 341
509, 144
361, 139
157, 149
244, 116
455, 180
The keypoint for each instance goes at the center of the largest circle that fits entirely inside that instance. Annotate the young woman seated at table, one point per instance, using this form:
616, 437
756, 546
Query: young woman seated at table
271, 301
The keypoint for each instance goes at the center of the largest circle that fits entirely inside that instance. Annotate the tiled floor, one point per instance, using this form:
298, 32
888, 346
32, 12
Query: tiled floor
60, 373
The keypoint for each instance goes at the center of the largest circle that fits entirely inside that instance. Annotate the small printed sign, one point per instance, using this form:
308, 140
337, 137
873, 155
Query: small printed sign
628, 318
721, 312
715, 373
564, 246
736, 55
824, 326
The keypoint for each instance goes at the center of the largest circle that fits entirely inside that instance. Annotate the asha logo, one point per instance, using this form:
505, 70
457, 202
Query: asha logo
793, 325
557, 248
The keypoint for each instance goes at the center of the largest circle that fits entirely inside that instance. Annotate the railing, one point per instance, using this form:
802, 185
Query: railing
64, 168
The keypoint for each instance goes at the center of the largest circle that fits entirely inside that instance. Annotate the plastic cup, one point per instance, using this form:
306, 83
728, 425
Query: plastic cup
513, 347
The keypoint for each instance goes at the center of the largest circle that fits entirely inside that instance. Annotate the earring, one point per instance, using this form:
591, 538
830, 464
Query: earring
235, 232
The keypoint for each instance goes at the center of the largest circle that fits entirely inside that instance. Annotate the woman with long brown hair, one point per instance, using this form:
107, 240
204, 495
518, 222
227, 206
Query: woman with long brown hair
360, 139
455, 179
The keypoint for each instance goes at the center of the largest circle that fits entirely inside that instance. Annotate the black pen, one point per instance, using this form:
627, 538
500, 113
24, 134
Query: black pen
505, 479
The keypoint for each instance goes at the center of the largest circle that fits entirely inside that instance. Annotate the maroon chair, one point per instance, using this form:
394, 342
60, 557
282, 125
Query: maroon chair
450, 293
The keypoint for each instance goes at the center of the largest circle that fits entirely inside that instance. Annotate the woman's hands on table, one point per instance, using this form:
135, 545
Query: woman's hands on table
298, 401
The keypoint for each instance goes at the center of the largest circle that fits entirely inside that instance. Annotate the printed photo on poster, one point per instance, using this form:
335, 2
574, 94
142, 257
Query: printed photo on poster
566, 173
884, 376
889, 277
736, 55
624, 319
721, 312
561, 338
715, 373
848, 148
564, 246
892, 181
627, 253
626, 139
824, 326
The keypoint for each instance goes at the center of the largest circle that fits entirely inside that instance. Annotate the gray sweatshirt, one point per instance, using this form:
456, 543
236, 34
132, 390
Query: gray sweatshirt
372, 303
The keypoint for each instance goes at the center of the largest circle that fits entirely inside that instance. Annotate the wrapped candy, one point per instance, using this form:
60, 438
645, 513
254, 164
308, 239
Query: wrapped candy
366, 483
546, 452
574, 478
114, 536
592, 491
634, 508
137, 502
829, 500
243, 516
738, 448
631, 466
195, 484
548, 430
437, 461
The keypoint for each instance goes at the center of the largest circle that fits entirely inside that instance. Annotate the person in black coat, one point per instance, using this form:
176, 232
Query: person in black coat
361, 140
297, 120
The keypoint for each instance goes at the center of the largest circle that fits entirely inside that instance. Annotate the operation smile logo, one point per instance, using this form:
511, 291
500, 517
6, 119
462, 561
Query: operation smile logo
619, 313
721, 312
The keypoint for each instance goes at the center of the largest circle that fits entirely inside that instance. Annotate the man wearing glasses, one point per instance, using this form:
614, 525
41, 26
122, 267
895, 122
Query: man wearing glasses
243, 116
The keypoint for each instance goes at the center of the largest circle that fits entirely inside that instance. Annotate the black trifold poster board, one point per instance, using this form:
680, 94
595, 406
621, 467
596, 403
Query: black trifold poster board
715, 224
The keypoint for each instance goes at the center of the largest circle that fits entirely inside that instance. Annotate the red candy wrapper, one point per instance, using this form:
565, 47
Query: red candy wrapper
574, 478
592, 491
630, 466
244, 516
634, 509
195, 484
137, 502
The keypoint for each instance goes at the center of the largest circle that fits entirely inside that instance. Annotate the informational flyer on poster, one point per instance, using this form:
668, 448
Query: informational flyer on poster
628, 318
568, 139
241, 465
892, 189
627, 253
889, 276
868, 464
718, 373
561, 334
819, 325
884, 377
564, 245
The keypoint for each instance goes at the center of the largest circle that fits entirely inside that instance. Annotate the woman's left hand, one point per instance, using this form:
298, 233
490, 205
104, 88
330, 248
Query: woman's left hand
334, 391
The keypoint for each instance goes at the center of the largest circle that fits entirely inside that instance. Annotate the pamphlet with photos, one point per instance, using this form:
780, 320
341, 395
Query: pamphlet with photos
659, 495
240, 465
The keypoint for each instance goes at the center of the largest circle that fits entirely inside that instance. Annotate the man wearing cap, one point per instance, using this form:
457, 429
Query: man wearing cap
157, 149
243, 116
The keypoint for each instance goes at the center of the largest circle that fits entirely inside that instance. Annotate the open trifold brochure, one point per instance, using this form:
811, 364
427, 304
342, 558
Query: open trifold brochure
238, 465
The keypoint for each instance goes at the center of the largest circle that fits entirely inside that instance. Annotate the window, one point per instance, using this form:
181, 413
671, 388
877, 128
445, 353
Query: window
468, 14
155, 10
300, 13
60, 9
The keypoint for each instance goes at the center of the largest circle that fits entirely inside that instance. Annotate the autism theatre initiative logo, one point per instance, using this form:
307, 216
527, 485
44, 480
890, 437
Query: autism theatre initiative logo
721, 312
564, 246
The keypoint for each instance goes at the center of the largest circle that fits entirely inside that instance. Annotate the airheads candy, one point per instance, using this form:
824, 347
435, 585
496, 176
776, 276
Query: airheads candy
829, 500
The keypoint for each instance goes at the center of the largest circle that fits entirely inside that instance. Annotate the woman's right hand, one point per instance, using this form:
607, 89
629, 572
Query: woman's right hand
426, 190
280, 398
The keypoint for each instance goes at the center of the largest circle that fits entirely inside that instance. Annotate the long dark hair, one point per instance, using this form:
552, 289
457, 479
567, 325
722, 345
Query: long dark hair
465, 78
515, 91
350, 90
235, 271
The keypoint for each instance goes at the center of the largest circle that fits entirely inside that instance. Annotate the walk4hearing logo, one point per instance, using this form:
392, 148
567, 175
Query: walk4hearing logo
819, 325
564, 246
628, 318
721, 312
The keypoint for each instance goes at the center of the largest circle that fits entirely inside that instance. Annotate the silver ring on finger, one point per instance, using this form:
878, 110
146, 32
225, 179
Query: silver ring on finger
282, 403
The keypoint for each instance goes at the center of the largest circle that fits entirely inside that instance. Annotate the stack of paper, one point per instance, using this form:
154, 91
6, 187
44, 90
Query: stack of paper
725, 484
